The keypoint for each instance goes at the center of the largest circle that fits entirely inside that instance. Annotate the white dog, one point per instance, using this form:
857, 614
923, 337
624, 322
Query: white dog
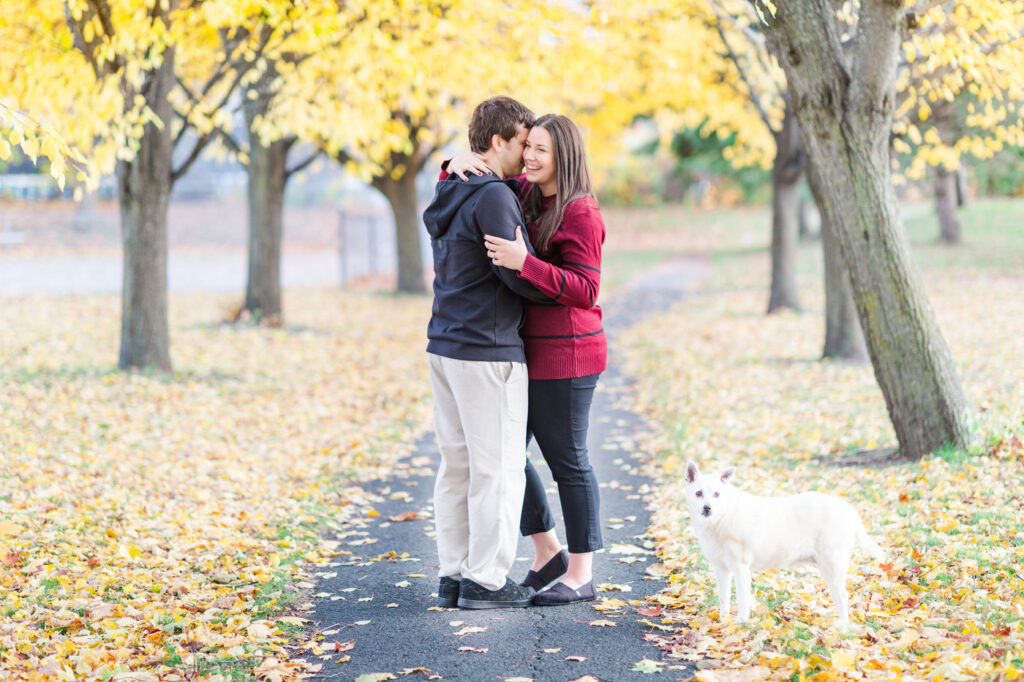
740, 533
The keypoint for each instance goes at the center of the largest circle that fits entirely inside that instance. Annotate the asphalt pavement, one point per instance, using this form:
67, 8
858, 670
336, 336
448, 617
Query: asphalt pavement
375, 603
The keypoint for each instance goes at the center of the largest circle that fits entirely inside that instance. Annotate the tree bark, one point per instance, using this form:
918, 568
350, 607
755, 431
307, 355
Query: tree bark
810, 219
401, 194
945, 206
844, 339
786, 175
144, 189
946, 194
268, 175
844, 107
962, 191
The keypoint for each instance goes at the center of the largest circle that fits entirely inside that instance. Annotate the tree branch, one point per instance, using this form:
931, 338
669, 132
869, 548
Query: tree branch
922, 6
879, 36
94, 9
756, 38
184, 116
103, 13
230, 141
752, 93
763, 12
303, 164
239, 67
196, 151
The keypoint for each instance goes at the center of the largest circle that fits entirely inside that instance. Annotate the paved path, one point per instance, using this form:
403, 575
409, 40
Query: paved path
379, 596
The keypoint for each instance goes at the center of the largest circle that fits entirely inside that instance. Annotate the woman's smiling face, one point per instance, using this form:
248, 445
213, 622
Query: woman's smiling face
540, 160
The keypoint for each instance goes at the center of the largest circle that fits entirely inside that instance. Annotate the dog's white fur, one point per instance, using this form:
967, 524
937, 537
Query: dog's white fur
741, 533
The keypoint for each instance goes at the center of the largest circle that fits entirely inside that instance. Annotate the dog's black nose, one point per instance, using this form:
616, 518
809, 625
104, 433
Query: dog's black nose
706, 511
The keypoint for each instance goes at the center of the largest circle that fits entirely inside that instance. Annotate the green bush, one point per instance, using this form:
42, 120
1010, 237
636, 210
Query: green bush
1002, 175
697, 172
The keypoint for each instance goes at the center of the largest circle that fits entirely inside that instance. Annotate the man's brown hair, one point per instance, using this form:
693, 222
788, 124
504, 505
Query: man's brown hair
497, 116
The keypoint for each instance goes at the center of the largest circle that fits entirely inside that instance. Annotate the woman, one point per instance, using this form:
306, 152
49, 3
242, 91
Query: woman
566, 349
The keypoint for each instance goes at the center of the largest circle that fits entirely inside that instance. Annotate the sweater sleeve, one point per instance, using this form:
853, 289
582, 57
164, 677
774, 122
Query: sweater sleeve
577, 282
498, 213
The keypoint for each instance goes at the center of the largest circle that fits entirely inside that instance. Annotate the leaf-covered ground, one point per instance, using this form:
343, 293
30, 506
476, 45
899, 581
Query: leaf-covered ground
153, 526
730, 386
159, 527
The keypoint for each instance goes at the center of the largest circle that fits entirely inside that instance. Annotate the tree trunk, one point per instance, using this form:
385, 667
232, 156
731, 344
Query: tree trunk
962, 190
789, 166
844, 339
809, 219
945, 206
945, 179
844, 106
267, 178
144, 189
401, 194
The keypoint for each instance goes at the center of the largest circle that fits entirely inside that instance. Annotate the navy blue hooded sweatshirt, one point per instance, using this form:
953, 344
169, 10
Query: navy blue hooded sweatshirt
478, 308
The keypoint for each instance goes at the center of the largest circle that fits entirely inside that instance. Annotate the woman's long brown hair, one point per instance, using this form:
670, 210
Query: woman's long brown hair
572, 178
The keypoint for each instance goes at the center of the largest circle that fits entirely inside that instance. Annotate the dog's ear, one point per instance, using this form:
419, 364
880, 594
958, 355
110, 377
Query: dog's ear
727, 473
691, 472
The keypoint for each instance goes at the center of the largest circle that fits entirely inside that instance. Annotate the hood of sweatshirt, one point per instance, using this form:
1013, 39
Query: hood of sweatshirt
449, 196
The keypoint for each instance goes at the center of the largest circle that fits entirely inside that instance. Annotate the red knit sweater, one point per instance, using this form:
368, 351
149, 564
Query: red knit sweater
565, 339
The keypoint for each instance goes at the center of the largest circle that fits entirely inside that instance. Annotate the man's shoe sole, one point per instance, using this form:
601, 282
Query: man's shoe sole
491, 604
448, 603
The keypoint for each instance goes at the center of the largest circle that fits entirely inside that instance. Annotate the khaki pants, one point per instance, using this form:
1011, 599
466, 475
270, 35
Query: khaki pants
480, 421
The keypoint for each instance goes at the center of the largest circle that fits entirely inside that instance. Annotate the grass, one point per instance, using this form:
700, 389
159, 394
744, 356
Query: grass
993, 237
620, 267
992, 234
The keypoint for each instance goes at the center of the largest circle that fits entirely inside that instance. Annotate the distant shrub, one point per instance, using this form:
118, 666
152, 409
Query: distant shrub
638, 181
1002, 175
696, 172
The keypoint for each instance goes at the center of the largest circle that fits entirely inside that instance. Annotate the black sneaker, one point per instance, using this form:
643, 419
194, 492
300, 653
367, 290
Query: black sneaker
475, 596
448, 593
554, 569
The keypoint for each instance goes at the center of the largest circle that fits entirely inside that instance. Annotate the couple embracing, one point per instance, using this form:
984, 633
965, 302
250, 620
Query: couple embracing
515, 350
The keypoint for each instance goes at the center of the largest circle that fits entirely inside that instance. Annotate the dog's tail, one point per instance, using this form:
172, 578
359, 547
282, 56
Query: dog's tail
865, 542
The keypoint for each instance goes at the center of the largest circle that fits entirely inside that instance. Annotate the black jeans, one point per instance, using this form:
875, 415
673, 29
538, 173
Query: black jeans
559, 417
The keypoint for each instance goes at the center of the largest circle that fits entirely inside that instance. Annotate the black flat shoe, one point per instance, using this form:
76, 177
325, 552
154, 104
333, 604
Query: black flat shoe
560, 594
554, 569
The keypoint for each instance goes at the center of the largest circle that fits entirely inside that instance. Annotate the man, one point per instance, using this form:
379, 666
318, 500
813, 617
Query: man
478, 369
